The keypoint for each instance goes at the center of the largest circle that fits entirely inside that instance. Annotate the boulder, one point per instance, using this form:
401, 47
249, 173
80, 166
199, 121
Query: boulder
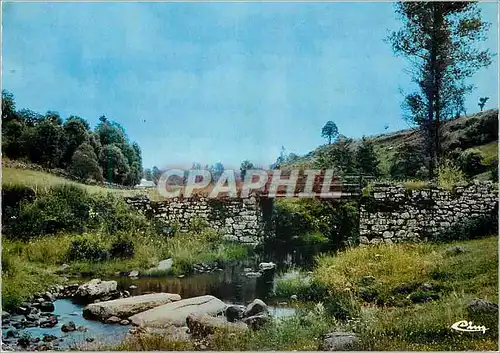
69, 327
47, 307
113, 320
234, 313
255, 308
266, 266
455, 250
175, 313
255, 322
482, 306
253, 274
202, 325
165, 264
134, 273
338, 341
126, 307
94, 289
48, 337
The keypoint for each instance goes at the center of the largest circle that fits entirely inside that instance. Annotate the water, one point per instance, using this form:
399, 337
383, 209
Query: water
230, 285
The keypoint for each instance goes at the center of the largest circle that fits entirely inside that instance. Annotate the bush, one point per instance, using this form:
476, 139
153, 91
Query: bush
449, 175
470, 162
88, 248
122, 247
63, 208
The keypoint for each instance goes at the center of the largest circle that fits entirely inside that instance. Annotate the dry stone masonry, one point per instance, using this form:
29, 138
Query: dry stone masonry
239, 220
392, 213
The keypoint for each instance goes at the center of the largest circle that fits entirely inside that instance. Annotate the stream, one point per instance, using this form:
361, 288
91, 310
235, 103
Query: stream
231, 285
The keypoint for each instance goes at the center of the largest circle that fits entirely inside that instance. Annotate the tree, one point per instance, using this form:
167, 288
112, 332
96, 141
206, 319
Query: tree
148, 174
366, 158
48, 143
408, 162
439, 40
110, 132
216, 171
29, 117
114, 164
338, 156
76, 130
330, 131
482, 102
156, 174
245, 165
84, 163
8, 106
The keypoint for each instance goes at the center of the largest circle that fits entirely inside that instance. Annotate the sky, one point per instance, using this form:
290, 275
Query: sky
217, 82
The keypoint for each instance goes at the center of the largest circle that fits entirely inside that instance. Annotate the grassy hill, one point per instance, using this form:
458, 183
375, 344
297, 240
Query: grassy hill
477, 131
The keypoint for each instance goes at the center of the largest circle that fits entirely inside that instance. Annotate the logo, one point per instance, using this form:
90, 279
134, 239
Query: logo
467, 326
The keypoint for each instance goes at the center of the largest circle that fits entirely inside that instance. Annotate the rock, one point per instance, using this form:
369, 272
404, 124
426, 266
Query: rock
44, 346
293, 297
32, 317
5, 315
234, 313
455, 250
266, 266
50, 322
255, 322
94, 289
47, 307
24, 341
113, 320
165, 264
134, 273
22, 310
247, 269
338, 341
12, 333
48, 337
202, 325
427, 287
49, 296
63, 268
132, 286
89, 339
126, 307
175, 313
256, 307
124, 322
69, 327
482, 306
82, 329
40, 300
253, 274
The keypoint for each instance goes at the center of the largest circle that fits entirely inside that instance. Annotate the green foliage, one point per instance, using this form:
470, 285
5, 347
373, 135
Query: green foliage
122, 247
338, 156
84, 163
449, 175
330, 131
245, 165
197, 224
47, 141
471, 163
366, 158
88, 247
408, 162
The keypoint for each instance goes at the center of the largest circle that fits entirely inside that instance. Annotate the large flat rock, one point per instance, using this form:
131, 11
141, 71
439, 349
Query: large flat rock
175, 313
126, 307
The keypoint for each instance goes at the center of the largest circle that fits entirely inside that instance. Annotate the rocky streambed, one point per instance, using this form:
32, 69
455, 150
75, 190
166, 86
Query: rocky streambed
104, 312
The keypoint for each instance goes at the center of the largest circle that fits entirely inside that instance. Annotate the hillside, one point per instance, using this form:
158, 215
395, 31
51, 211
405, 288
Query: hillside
478, 131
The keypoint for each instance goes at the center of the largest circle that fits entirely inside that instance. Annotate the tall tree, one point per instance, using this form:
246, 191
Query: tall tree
330, 131
245, 165
77, 130
148, 174
439, 39
8, 106
366, 158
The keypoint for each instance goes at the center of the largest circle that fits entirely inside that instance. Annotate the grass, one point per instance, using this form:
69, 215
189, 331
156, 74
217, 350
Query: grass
416, 184
29, 267
42, 181
392, 317
489, 152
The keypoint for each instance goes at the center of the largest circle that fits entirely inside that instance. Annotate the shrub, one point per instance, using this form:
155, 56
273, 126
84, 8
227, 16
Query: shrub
122, 247
63, 208
470, 162
449, 175
89, 248
197, 224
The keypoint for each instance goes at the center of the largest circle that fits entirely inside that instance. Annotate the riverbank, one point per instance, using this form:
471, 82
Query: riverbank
33, 266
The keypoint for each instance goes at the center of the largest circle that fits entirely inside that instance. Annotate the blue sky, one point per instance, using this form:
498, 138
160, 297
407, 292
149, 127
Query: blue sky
213, 82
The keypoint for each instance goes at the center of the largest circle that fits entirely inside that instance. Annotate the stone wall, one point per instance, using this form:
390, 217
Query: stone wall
392, 213
240, 220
